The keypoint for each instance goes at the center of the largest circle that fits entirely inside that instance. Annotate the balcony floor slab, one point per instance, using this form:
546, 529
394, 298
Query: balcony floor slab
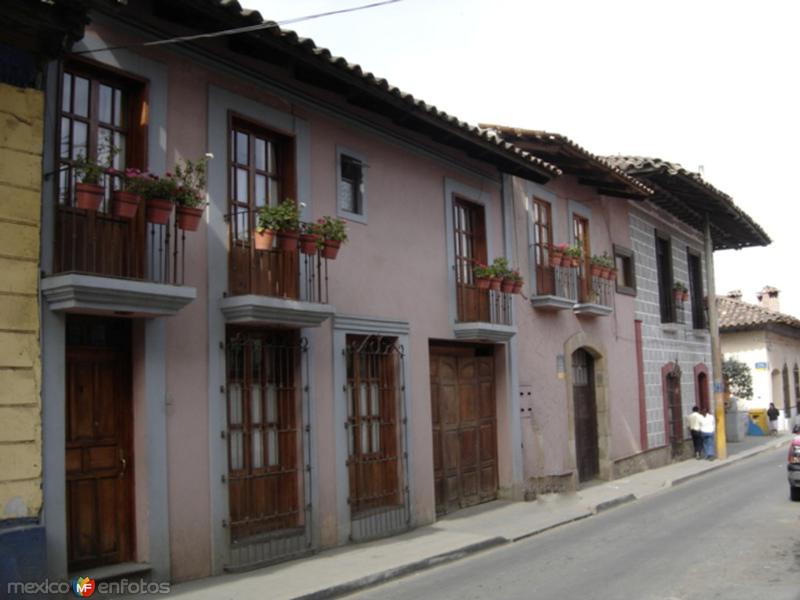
484, 332
552, 303
93, 294
589, 309
269, 310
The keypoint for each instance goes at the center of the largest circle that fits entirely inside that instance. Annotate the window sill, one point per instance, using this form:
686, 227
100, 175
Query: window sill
352, 217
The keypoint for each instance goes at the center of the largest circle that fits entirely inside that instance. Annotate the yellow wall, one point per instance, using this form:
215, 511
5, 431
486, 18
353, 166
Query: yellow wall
21, 124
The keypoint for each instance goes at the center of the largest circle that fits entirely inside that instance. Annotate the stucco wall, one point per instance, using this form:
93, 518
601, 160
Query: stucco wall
774, 349
21, 127
544, 336
663, 343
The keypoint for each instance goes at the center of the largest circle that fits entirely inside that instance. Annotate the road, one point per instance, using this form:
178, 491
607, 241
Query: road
730, 534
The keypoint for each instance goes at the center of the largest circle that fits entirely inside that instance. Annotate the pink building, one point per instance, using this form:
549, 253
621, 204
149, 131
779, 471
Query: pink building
214, 404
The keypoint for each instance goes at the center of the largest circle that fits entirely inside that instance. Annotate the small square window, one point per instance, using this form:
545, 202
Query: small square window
351, 197
626, 275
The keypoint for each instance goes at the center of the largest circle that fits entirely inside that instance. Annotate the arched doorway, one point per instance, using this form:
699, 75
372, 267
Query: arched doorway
584, 399
675, 414
701, 387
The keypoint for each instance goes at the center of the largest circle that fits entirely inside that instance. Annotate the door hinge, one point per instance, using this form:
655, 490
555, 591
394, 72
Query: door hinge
223, 434
225, 523
223, 479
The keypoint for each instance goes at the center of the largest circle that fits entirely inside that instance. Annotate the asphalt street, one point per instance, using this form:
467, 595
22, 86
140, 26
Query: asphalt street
731, 534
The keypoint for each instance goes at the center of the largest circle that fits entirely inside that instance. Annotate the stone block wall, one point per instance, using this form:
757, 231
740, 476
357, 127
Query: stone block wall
663, 343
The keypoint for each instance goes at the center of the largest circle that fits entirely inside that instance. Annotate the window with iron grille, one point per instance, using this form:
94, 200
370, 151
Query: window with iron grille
696, 290
263, 415
664, 272
373, 410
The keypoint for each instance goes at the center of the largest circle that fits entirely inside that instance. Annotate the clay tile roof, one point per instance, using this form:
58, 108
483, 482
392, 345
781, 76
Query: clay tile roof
689, 197
735, 315
574, 159
450, 129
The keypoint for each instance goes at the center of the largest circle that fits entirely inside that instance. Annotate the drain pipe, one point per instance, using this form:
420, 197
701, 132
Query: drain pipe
716, 353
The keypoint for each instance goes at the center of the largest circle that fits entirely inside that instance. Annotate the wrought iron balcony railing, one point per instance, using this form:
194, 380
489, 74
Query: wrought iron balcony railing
483, 305
99, 243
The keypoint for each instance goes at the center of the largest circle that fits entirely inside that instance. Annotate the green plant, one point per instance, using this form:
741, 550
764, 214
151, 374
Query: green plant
150, 186
283, 217
737, 378
679, 287
482, 271
515, 276
333, 228
603, 261
573, 251
500, 267
89, 170
190, 181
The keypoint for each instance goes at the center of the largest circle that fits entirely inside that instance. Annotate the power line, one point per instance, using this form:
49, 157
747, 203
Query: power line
246, 29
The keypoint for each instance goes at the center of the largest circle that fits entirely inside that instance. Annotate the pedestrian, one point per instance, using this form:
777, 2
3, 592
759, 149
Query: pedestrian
772, 415
707, 427
695, 420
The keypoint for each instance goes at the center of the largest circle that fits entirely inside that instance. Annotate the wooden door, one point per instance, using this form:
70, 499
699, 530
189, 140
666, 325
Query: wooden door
585, 412
464, 429
675, 416
98, 443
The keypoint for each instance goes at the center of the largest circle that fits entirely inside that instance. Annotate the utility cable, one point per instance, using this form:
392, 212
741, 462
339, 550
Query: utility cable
237, 30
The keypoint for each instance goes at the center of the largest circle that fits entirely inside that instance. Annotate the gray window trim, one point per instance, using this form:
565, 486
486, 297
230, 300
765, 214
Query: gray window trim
346, 214
629, 254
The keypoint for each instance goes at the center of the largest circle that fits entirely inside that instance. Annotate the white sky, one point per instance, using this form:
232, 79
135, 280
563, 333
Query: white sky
708, 83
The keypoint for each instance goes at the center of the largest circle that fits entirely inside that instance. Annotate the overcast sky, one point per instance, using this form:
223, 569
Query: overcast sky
695, 82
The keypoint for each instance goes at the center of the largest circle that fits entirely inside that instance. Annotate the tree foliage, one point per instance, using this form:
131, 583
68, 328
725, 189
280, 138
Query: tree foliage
737, 378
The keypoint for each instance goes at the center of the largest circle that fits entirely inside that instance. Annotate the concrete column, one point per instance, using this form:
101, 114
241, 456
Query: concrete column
716, 354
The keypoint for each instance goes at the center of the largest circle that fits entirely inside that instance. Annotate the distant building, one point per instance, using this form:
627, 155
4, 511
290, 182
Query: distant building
768, 342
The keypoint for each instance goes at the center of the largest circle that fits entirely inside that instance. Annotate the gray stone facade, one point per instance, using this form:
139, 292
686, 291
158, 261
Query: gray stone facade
663, 343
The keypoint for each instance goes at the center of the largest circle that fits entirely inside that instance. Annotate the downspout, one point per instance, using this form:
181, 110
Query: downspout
716, 354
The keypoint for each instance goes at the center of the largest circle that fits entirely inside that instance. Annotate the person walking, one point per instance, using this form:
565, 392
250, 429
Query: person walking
773, 414
707, 426
695, 421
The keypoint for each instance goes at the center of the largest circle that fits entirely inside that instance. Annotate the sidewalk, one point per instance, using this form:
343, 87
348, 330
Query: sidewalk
342, 570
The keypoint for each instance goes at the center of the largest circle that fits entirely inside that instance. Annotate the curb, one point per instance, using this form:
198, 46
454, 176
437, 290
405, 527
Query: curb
403, 570
715, 466
609, 504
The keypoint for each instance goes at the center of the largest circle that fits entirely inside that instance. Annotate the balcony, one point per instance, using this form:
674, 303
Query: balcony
284, 288
483, 315
557, 288
596, 297
103, 264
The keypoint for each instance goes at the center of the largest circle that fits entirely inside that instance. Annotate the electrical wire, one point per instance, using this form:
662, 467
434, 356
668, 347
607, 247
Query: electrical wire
249, 28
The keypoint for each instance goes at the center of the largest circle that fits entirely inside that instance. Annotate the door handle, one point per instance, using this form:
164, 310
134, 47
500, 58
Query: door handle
124, 463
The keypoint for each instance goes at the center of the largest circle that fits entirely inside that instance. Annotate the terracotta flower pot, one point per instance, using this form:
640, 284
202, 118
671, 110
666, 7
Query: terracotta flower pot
597, 271
264, 239
685, 296
308, 243
188, 217
612, 274
495, 284
159, 211
483, 283
517, 287
125, 204
88, 196
556, 259
330, 249
507, 286
287, 240
574, 261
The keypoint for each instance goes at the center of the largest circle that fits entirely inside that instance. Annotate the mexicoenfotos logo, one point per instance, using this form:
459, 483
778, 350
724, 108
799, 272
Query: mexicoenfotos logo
83, 587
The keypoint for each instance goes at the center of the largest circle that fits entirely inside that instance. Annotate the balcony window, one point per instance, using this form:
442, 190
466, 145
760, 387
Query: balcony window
99, 111
580, 237
474, 304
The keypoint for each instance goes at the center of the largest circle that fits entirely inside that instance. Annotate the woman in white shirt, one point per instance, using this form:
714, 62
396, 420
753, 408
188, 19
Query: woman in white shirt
707, 432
